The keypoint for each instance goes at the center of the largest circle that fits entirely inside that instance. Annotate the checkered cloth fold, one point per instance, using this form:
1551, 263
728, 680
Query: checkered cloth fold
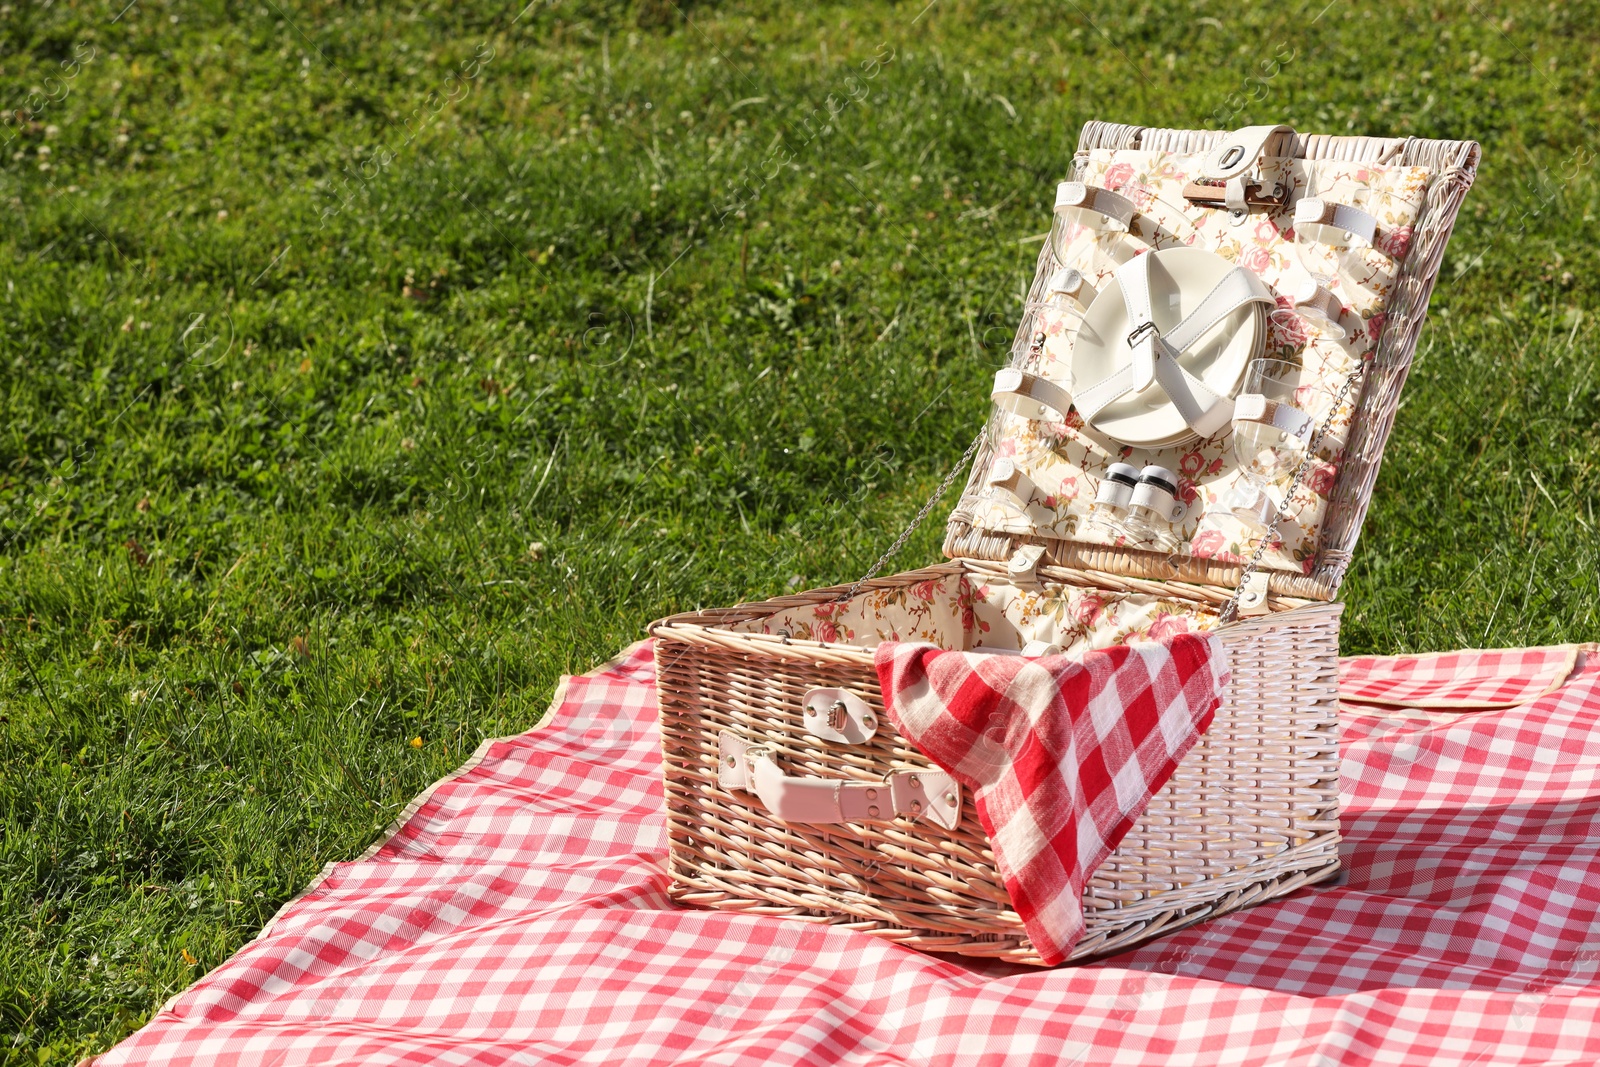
1061, 753
1469, 679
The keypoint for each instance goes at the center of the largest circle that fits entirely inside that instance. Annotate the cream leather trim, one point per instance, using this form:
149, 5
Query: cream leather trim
921, 794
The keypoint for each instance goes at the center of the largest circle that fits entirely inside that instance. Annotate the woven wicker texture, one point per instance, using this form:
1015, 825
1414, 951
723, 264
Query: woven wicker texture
1251, 813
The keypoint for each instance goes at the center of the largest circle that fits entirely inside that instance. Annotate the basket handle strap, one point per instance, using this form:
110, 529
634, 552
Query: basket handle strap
1240, 150
921, 794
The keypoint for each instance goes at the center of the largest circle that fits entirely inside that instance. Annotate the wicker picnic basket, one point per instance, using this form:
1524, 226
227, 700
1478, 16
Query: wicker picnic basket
1251, 813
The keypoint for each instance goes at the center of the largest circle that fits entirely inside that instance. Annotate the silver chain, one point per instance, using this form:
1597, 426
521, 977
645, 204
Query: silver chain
899, 542
1230, 610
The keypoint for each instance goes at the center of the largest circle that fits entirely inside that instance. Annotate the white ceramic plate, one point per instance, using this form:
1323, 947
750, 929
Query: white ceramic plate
1180, 278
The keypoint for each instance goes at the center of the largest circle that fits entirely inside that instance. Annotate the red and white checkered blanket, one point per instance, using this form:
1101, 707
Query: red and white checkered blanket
519, 916
1061, 753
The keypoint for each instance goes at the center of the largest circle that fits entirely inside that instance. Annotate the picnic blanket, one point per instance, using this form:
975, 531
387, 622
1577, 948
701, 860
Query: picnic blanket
518, 915
1062, 753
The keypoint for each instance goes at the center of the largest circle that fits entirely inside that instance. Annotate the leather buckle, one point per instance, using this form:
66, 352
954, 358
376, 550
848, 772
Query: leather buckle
1138, 332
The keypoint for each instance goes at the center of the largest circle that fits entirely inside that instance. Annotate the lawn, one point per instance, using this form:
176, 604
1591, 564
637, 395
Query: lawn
363, 368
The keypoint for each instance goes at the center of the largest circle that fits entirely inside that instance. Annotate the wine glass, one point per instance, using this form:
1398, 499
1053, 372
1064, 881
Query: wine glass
1313, 312
1332, 232
1091, 229
1271, 432
1030, 385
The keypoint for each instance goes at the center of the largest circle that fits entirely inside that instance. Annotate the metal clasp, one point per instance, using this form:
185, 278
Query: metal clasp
838, 715
753, 753
1138, 332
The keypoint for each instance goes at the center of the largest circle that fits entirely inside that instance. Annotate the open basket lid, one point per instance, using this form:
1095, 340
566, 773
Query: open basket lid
1198, 207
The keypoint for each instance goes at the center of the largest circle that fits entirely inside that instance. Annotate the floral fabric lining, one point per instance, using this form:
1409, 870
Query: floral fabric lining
1062, 460
963, 613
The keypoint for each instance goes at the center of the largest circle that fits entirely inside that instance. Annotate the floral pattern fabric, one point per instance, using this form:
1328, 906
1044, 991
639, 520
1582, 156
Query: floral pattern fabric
1060, 461
963, 613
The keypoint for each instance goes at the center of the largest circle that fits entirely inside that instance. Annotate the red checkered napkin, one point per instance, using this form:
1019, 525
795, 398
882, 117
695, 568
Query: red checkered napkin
1062, 754
1470, 678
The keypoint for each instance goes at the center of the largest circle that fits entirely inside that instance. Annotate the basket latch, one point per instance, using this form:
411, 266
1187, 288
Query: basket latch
1234, 175
839, 715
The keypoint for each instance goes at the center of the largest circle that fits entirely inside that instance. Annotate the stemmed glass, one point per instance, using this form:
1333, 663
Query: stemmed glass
1313, 312
1090, 229
1271, 432
1030, 385
1331, 238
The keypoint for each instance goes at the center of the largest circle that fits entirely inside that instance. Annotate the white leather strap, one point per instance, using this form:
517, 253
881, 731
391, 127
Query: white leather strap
1133, 277
1023, 566
1203, 410
1155, 359
1099, 208
1315, 211
1234, 196
1253, 407
1023, 394
1310, 296
1232, 291
1253, 595
1003, 472
1095, 398
1070, 281
920, 794
1239, 151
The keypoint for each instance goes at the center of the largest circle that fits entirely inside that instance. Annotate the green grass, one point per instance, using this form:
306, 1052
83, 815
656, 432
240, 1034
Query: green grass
315, 317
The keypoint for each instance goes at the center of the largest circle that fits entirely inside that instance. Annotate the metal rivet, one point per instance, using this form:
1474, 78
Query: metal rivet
873, 811
869, 721
950, 799
916, 807
914, 780
732, 762
872, 794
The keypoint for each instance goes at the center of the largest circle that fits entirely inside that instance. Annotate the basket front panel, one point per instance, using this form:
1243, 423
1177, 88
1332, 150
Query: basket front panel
909, 875
1250, 814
